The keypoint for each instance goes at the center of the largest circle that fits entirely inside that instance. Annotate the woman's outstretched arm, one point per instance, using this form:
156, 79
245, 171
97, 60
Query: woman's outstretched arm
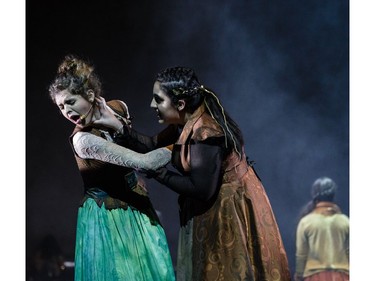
89, 146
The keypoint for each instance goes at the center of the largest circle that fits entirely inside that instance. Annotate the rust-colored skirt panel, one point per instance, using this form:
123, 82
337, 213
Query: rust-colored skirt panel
238, 238
328, 276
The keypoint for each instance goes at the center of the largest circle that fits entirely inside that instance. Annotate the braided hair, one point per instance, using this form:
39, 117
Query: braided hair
323, 189
182, 83
76, 76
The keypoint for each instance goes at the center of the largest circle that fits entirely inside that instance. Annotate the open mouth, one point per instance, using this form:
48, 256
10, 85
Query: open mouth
75, 119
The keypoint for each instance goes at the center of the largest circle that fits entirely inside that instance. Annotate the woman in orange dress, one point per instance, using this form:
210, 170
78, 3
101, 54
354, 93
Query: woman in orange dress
228, 229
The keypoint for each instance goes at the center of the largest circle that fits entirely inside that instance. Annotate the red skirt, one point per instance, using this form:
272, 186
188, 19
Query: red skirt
328, 276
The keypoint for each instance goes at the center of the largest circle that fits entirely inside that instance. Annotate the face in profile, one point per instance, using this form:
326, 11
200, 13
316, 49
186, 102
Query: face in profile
75, 108
166, 111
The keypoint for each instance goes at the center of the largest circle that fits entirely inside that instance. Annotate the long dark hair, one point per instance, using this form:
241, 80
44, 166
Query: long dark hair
323, 189
77, 76
182, 83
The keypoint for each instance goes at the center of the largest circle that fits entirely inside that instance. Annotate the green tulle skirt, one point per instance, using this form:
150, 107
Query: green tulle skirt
118, 244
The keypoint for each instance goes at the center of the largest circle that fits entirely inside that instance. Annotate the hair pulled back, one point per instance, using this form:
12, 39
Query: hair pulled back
323, 189
181, 83
76, 76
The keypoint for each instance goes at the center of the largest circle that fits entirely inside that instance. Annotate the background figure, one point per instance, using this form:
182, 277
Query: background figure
322, 245
119, 236
228, 229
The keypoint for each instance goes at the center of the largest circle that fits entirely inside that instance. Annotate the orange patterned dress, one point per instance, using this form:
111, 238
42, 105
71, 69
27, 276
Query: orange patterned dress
233, 236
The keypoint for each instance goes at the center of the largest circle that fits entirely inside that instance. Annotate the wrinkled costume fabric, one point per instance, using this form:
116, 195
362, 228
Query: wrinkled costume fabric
233, 235
119, 236
322, 243
237, 237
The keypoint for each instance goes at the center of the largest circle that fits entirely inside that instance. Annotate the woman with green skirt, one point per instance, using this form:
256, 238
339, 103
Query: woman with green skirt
119, 236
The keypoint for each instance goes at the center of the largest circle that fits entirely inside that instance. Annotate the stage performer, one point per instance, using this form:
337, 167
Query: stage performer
228, 229
119, 236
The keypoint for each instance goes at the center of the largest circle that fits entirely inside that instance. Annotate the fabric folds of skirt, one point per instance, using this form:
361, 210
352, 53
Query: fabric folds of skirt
120, 245
330, 275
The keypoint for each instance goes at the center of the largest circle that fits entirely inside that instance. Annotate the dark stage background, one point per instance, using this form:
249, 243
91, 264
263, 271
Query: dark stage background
281, 69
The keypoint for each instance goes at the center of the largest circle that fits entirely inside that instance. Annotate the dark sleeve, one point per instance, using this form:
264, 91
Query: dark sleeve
203, 180
138, 142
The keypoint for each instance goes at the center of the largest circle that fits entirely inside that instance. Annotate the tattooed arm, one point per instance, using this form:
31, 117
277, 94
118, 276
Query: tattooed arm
89, 146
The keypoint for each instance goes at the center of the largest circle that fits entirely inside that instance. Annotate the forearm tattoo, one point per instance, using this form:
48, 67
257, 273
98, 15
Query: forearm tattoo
89, 146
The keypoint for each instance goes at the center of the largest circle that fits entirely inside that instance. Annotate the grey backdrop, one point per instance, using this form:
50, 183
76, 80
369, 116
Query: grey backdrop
281, 70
